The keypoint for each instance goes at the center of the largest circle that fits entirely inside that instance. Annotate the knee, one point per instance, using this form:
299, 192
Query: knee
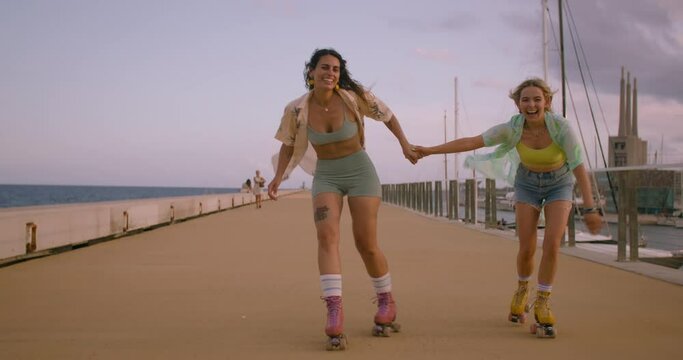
327, 237
366, 250
526, 253
550, 254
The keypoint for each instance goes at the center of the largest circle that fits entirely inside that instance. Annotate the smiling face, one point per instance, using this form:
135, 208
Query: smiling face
533, 103
325, 75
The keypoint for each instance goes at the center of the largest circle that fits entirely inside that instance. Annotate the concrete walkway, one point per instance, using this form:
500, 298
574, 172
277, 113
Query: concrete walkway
243, 284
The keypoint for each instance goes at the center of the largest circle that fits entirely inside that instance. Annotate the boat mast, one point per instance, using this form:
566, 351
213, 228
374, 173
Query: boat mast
564, 97
445, 156
544, 9
455, 125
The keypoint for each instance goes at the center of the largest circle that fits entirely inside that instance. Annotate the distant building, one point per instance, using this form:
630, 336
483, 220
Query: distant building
658, 191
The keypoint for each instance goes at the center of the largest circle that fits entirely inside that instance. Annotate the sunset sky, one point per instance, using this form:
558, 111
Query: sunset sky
190, 93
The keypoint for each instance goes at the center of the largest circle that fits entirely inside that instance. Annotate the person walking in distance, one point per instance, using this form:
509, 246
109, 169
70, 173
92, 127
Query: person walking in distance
330, 117
546, 160
259, 184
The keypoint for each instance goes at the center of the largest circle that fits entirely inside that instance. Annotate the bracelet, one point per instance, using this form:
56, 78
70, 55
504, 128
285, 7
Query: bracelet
591, 211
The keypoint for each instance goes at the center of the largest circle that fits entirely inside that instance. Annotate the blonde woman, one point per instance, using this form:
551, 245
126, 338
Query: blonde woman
546, 161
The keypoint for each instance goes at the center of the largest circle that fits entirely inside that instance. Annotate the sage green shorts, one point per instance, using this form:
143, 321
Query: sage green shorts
352, 175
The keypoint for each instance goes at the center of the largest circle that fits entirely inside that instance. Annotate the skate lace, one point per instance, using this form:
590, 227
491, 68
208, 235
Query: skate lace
333, 306
521, 291
382, 300
542, 303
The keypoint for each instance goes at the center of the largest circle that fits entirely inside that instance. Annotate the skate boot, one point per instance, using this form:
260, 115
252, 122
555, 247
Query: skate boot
518, 305
386, 315
545, 321
334, 328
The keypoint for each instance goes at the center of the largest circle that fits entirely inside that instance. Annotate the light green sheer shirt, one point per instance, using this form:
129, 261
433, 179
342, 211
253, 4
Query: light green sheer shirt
502, 163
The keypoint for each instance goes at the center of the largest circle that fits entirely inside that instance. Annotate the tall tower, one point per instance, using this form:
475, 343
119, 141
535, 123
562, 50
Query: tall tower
627, 149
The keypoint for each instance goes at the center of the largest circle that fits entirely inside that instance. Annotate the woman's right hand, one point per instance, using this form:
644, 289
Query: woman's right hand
593, 222
272, 189
421, 151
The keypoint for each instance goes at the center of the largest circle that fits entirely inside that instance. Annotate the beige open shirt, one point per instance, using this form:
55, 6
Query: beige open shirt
292, 130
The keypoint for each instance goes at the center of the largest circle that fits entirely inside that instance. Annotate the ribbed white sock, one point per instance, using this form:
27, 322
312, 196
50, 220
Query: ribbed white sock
382, 284
331, 284
546, 288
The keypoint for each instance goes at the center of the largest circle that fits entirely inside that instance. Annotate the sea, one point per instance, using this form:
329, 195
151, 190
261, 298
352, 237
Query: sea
659, 237
31, 195
11, 196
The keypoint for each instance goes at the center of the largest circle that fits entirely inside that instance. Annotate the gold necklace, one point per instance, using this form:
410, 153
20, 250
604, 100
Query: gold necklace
324, 107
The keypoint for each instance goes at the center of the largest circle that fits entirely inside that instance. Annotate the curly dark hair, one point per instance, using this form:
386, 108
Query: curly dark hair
345, 80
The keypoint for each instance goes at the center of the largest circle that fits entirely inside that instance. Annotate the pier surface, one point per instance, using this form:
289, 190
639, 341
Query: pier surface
243, 284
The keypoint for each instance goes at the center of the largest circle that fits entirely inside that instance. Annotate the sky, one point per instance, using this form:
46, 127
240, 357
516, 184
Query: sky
190, 93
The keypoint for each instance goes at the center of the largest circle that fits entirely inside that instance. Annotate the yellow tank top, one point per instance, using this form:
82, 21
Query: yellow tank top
550, 157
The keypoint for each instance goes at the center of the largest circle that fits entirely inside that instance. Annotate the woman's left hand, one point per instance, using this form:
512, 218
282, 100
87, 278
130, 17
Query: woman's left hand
410, 154
593, 222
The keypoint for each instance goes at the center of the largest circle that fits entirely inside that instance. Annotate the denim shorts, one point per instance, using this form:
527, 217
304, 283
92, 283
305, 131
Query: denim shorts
540, 188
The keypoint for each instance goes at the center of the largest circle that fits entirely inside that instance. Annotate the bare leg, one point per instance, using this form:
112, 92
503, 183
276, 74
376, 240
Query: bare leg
527, 223
556, 215
364, 211
327, 209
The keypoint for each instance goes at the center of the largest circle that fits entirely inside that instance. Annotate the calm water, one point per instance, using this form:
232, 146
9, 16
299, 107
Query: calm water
657, 236
31, 195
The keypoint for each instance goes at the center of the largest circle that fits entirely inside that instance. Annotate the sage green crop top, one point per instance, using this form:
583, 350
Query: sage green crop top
348, 130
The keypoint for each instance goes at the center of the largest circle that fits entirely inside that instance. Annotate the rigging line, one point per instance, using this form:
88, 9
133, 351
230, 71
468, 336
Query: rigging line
583, 80
609, 177
592, 81
592, 174
595, 125
578, 124
576, 31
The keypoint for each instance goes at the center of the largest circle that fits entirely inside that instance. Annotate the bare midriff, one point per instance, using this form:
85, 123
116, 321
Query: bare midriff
338, 149
542, 170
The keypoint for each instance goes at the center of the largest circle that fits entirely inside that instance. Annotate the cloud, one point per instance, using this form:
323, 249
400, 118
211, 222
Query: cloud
491, 83
279, 7
437, 55
455, 22
642, 36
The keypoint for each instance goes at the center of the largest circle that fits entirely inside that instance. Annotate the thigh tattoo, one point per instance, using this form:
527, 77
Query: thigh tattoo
320, 213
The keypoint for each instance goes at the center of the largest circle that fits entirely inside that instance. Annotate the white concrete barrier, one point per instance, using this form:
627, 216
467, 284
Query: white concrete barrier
27, 231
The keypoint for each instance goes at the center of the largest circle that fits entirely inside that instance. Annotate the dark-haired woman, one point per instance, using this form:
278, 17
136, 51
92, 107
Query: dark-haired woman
330, 116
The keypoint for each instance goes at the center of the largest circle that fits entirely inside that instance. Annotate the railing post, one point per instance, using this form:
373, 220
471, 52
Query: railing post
571, 227
467, 200
455, 196
439, 198
634, 233
622, 217
490, 204
31, 237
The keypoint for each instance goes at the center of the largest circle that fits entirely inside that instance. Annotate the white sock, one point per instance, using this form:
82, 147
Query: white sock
331, 284
543, 287
524, 278
382, 284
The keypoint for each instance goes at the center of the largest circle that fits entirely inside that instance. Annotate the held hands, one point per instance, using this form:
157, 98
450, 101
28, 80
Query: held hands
593, 222
410, 154
421, 151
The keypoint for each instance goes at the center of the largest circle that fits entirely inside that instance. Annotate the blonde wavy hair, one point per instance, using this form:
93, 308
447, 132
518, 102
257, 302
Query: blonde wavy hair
516, 94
